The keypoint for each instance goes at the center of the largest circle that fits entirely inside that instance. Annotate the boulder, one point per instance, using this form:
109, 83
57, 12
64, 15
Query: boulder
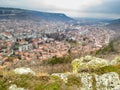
108, 81
92, 81
88, 62
24, 70
14, 87
86, 80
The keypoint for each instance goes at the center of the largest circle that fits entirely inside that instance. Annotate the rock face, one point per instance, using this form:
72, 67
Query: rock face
24, 70
14, 87
108, 81
93, 81
86, 80
88, 62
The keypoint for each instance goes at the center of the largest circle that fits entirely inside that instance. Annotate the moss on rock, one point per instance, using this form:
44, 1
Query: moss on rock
88, 63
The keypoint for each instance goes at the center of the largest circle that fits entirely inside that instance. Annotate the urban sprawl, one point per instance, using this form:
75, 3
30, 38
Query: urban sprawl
32, 40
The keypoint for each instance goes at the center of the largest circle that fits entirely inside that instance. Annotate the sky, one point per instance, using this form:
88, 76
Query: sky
73, 8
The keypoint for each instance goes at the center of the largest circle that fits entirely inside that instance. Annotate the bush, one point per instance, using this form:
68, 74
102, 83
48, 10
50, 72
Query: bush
107, 69
106, 49
56, 60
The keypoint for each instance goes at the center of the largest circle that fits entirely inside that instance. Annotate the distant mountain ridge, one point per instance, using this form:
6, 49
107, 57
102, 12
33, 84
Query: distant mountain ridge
114, 25
30, 14
115, 21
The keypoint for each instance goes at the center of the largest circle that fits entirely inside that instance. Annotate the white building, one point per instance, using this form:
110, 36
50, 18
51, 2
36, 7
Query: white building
25, 47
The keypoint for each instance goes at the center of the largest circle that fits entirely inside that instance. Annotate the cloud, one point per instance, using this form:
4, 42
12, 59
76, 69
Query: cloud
109, 6
51, 4
73, 8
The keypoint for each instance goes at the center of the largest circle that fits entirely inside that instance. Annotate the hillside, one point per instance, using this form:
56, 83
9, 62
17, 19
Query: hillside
110, 51
14, 13
114, 25
88, 73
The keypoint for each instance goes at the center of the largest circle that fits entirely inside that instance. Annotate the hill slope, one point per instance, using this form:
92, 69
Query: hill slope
114, 25
14, 13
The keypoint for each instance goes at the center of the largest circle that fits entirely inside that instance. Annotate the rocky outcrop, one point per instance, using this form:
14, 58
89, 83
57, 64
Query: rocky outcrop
87, 63
108, 81
86, 80
93, 81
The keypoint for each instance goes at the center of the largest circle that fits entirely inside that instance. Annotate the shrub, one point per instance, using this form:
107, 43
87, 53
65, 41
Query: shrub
107, 69
107, 49
74, 80
56, 60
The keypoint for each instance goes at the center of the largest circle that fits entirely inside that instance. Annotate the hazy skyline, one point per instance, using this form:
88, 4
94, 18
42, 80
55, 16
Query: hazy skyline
73, 8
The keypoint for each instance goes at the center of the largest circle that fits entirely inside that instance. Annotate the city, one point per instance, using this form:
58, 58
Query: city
43, 40
59, 45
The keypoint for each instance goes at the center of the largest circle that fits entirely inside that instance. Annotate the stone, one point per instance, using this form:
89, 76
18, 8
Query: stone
14, 87
62, 76
24, 70
88, 62
108, 81
86, 80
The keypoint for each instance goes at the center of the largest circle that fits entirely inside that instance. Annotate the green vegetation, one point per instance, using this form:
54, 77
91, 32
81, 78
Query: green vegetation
30, 82
16, 47
106, 69
56, 60
107, 49
93, 83
48, 82
74, 80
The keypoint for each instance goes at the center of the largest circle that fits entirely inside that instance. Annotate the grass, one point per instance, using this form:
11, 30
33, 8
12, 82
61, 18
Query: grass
93, 82
107, 69
39, 82
107, 49
74, 80
30, 82
56, 60
44, 81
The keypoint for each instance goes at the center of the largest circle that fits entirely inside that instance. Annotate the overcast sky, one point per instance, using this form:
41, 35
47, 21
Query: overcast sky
74, 8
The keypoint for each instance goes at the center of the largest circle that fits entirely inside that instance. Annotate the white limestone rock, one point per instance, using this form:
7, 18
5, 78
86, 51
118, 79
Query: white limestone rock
62, 76
14, 87
24, 70
108, 81
86, 80
88, 62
